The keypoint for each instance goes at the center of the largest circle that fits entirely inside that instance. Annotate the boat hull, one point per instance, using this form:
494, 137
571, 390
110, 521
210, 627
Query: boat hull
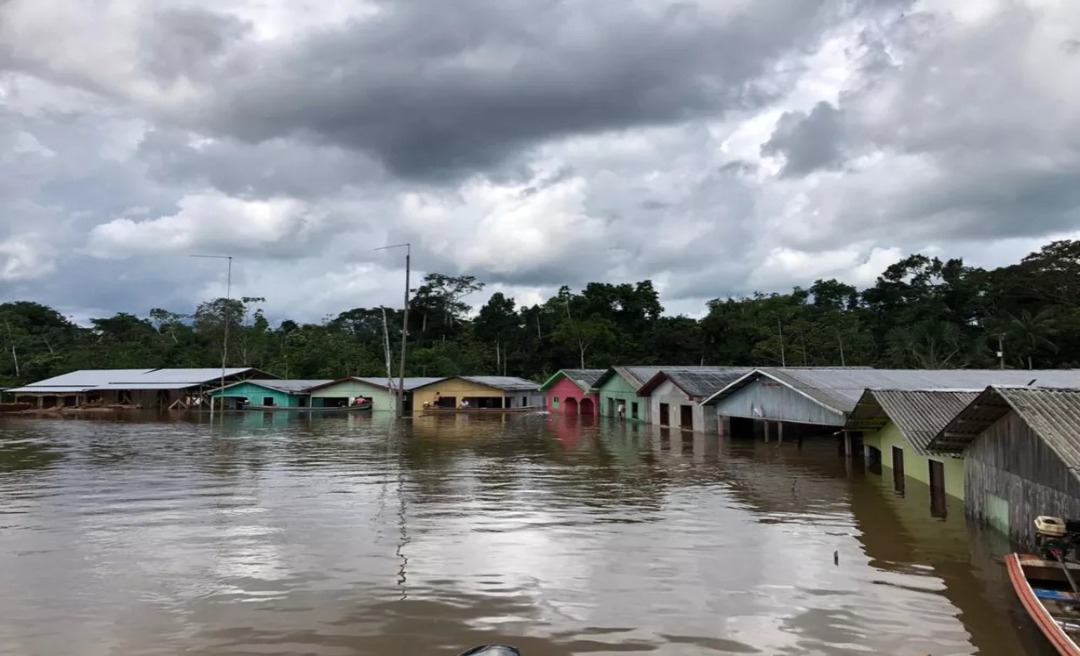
281, 408
1026, 570
480, 411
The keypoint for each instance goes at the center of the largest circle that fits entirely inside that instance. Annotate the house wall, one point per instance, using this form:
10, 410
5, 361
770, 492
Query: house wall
381, 398
916, 466
616, 389
767, 399
1012, 477
255, 395
568, 389
704, 418
460, 389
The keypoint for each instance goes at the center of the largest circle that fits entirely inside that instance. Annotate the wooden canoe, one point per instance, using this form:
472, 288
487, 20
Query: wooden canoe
1049, 599
479, 411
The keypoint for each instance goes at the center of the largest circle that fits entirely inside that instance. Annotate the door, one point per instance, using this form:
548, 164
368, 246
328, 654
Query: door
898, 469
665, 420
937, 489
686, 417
873, 460
610, 407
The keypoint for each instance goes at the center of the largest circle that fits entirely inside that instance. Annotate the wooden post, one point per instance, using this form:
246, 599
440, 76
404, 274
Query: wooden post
766, 430
847, 445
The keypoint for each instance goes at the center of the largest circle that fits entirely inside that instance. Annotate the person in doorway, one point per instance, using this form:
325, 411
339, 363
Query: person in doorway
622, 410
438, 400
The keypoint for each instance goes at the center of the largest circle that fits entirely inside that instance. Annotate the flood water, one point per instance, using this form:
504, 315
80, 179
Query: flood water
268, 534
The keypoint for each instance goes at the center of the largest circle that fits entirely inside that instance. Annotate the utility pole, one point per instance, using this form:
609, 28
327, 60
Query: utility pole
225, 337
780, 327
404, 329
1001, 351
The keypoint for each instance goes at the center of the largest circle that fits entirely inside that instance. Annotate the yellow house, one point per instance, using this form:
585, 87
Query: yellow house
488, 392
897, 426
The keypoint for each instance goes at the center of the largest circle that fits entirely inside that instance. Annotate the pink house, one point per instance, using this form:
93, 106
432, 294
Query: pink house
569, 392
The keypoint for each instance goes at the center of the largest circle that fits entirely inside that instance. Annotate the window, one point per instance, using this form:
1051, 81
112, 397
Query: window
268, 400
555, 402
524, 401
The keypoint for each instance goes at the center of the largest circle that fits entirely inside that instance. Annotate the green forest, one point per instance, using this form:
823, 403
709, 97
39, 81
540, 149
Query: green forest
921, 312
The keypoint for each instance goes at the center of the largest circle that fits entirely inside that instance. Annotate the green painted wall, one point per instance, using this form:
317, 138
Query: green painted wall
916, 466
381, 398
617, 389
256, 394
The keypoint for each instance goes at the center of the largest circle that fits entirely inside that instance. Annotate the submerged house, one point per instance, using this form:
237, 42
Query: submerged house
570, 391
1021, 451
383, 397
897, 427
480, 391
618, 386
674, 395
267, 393
147, 388
820, 399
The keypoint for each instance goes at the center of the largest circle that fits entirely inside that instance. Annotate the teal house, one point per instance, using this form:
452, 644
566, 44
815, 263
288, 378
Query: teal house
335, 393
620, 385
267, 393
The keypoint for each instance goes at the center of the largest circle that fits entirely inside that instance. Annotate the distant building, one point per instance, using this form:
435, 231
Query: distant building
383, 398
570, 391
148, 388
267, 393
1021, 451
674, 395
897, 426
480, 391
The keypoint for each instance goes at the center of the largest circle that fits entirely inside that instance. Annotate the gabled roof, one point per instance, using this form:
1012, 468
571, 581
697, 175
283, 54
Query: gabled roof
919, 414
87, 380
839, 388
1053, 414
410, 383
583, 378
634, 376
504, 383
280, 385
695, 382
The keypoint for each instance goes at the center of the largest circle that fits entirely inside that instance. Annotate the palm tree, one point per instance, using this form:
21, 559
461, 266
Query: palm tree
1032, 332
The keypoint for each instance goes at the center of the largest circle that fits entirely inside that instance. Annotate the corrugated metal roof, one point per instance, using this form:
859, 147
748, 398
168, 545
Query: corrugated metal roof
505, 383
839, 389
99, 379
637, 376
410, 383
583, 378
919, 414
697, 382
281, 385
1052, 413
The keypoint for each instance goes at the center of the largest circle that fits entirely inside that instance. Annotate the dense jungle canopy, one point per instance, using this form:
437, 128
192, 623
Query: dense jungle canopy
921, 312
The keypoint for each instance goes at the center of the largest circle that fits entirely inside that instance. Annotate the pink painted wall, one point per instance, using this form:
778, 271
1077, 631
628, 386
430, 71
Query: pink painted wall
566, 389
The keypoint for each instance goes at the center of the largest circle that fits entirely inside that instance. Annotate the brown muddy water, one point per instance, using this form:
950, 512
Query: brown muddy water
269, 534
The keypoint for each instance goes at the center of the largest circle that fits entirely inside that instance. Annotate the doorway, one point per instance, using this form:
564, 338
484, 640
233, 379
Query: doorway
571, 405
665, 415
937, 489
586, 407
898, 469
686, 417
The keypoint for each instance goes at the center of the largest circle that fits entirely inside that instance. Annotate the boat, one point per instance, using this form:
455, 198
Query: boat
1046, 583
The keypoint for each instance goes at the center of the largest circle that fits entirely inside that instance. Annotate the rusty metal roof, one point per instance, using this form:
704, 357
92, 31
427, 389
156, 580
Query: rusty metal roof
919, 414
1052, 413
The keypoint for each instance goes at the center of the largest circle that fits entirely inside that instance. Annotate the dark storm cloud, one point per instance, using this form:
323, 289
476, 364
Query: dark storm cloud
184, 42
436, 88
807, 142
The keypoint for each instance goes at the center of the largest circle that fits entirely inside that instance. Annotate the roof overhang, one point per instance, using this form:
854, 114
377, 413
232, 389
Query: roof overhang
757, 374
657, 380
560, 374
982, 413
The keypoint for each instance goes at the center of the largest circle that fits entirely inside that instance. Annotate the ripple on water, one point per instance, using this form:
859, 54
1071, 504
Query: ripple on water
274, 535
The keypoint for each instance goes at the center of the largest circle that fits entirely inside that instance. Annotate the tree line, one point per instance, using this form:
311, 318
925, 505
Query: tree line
922, 312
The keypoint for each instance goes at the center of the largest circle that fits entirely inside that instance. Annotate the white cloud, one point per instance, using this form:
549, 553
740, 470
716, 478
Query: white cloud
25, 258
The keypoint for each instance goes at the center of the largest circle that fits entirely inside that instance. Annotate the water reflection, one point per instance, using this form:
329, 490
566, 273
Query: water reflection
356, 535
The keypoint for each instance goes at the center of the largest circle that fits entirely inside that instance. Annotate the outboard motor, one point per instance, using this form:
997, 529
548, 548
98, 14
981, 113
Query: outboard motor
491, 650
1057, 538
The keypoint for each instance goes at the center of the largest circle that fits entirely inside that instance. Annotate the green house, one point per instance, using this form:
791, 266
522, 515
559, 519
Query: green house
334, 393
897, 427
620, 385
267, 393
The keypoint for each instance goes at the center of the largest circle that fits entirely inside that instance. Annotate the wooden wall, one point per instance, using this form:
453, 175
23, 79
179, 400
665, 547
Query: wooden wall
1011, 462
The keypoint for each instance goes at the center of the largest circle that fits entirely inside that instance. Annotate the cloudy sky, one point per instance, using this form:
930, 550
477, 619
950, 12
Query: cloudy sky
715, 146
